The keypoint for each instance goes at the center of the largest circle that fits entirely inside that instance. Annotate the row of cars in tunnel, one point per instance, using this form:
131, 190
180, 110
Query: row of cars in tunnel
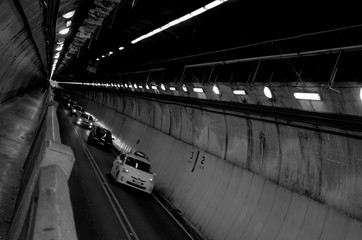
132, 169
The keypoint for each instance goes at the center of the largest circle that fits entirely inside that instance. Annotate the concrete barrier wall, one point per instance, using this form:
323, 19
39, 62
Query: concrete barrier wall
44, 210
234, 178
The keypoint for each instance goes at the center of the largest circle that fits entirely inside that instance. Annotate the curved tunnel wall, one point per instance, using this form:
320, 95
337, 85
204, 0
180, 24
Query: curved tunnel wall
21, 66
236, 178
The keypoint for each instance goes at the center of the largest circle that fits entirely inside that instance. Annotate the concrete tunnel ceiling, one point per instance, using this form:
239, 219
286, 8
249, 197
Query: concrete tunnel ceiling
233, 30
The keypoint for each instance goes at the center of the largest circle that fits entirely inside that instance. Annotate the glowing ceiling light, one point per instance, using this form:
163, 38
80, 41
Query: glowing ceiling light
69, 14
213, 4
110, 53
216, 90
307, 96
140, 86
172, 88
239, 92
60, 47
68, 23
103, 56
198, 90
121, 48
64, 31
97, 59
268, 93
154, 87
135, 86
163, 87
198, 11
147, 87
184, 18
184, 88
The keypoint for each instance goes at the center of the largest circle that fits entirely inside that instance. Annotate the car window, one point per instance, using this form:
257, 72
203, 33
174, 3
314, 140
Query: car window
138, 164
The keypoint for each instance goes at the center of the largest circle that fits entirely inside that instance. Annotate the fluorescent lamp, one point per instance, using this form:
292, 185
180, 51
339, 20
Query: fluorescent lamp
64, 31
268, 93
198, 90
121, 48
198, 11
147, 87
69, 14
135, 86
154, 87
172, 88
213, 4
163, 87
307, 96
184, 88
184, 18
216, 90
60, 47
68, 23
239, 92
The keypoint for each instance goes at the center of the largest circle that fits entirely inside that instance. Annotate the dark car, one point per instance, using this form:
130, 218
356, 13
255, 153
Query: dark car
76, 110
70, 104
101, 137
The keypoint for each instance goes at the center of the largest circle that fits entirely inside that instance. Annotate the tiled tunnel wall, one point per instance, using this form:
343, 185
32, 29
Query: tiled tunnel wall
232, 176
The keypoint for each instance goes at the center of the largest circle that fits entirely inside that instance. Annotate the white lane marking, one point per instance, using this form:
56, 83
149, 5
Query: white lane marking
105, 185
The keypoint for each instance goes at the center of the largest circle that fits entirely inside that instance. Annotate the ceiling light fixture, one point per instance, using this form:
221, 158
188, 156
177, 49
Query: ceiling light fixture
198, 90
154, 87
184, 87
64, 31
172, 88
110, 53
163, 87
69, 14
68, 23
307, 96
121, 48
97, 59
216, 90
60, 47
239, 92
179, 20
103, 56
267, 92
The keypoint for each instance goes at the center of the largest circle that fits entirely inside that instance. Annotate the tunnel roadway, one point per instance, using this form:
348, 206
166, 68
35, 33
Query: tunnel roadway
103, 209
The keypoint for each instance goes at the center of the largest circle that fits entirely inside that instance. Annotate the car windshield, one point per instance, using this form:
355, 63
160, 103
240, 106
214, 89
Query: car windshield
143, 166
79, 108
86, 116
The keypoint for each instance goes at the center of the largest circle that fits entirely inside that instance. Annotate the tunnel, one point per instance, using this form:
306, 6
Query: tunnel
250, 114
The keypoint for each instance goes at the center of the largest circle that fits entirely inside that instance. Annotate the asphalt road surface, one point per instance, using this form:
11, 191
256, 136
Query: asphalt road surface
104, 209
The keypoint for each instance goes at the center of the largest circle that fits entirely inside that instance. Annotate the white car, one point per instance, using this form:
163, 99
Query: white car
134, 170
85, 120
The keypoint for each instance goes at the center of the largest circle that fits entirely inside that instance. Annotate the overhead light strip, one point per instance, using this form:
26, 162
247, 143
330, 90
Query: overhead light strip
181, 19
